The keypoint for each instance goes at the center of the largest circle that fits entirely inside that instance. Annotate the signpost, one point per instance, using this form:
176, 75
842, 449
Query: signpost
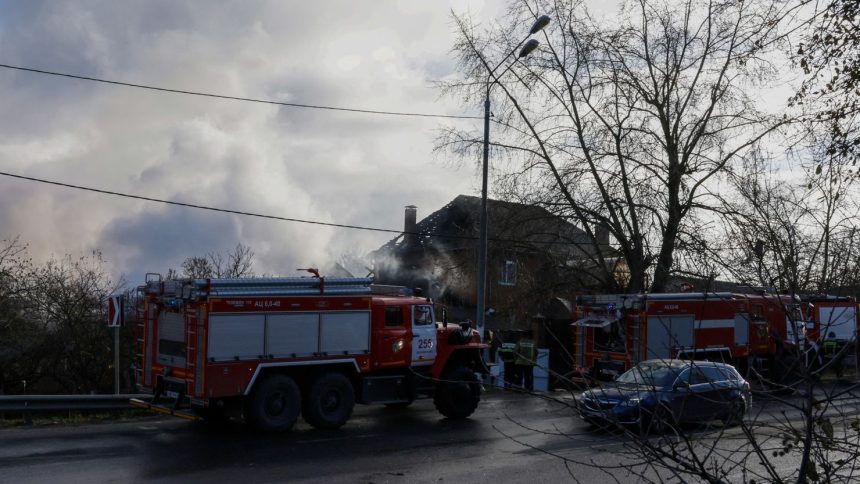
116, 304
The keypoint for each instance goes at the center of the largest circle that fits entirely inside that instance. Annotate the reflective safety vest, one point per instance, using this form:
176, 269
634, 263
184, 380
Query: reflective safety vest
526, 352
506, 352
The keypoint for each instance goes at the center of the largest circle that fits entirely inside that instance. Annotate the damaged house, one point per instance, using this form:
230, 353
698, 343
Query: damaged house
536, 263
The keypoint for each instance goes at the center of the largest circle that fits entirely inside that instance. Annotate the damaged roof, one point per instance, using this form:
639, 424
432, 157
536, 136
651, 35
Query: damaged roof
515, 225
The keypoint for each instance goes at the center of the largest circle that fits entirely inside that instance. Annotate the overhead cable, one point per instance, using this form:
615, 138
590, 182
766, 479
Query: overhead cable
236, 98
276, 217
311, 222
192, 205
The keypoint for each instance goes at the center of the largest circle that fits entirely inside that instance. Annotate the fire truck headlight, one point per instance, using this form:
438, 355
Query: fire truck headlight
397, 346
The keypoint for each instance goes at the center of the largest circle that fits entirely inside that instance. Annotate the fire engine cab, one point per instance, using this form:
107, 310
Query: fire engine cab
614, 332
269, 349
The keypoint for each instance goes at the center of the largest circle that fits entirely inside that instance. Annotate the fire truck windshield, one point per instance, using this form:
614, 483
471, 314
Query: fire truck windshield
610, 338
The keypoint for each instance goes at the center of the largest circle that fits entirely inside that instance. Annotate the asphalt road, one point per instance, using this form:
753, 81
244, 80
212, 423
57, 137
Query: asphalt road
377, 445
511, 438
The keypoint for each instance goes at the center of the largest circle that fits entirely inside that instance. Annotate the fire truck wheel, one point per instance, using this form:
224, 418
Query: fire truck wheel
329, 402
458, 394
274, 404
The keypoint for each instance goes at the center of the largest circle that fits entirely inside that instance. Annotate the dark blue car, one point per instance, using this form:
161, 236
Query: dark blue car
657, 393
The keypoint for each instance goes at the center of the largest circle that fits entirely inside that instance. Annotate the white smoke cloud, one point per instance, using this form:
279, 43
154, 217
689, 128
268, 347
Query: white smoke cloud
308, 164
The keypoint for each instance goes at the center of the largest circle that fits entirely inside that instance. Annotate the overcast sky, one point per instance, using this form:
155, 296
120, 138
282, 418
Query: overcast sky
320, 165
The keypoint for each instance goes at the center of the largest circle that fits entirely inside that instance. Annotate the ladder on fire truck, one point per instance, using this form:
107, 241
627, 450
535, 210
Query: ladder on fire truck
139, 331
636, 329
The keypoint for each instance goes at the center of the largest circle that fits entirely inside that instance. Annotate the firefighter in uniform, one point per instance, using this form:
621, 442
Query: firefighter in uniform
526, 354
506, 355
831, 353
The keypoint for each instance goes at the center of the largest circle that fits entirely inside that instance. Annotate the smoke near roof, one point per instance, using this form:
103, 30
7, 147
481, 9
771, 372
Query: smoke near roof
319, 165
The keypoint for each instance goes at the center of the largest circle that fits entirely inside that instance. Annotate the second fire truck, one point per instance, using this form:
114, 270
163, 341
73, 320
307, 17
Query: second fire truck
750, 330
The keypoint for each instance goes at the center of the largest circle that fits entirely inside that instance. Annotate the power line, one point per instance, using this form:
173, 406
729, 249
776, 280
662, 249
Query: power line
201, 207
237, 98
304, 221
276, 217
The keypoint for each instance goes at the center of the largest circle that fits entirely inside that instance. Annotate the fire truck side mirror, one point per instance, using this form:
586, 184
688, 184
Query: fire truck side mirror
444, 317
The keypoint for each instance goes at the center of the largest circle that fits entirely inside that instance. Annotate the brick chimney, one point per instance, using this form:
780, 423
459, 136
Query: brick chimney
410, 225
601, 233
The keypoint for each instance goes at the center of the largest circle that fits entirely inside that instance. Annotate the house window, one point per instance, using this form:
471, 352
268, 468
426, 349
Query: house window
509, 273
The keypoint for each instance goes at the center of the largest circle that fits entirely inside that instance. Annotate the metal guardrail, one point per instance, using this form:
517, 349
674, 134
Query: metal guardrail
67, 403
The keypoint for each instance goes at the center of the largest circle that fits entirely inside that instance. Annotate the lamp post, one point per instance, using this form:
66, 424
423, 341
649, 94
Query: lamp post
529, 46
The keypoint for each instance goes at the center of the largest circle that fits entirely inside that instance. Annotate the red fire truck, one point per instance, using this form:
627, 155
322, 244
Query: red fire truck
614, 332
830, 317
268, 349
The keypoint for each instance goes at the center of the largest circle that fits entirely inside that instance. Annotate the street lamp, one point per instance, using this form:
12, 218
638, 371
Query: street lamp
529, 46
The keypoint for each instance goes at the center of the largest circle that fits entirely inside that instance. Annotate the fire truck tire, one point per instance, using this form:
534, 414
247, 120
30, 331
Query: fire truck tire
458, 394
329, 403
275, 404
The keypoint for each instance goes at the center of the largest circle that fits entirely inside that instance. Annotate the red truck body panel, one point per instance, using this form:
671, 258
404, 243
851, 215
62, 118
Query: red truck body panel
614, 332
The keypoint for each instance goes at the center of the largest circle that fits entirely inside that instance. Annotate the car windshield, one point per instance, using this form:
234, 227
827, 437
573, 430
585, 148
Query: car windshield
649, 374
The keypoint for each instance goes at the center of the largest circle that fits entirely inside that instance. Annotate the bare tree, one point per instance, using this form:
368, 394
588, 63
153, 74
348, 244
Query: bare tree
786, 233
18, 334
625, 124
829, 54
53, 331
648, 124
797, 236
237, 262
70, 296
794, 234
196, 267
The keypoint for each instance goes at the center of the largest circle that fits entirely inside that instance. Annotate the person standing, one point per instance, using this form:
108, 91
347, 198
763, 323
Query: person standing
526, 354
495, 343
507, 357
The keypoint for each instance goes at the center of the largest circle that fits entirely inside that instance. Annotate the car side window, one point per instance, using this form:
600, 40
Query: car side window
684, 377
697, 376
714, 374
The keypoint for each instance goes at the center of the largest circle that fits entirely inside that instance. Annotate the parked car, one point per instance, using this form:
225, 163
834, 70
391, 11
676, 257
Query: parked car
657, 393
